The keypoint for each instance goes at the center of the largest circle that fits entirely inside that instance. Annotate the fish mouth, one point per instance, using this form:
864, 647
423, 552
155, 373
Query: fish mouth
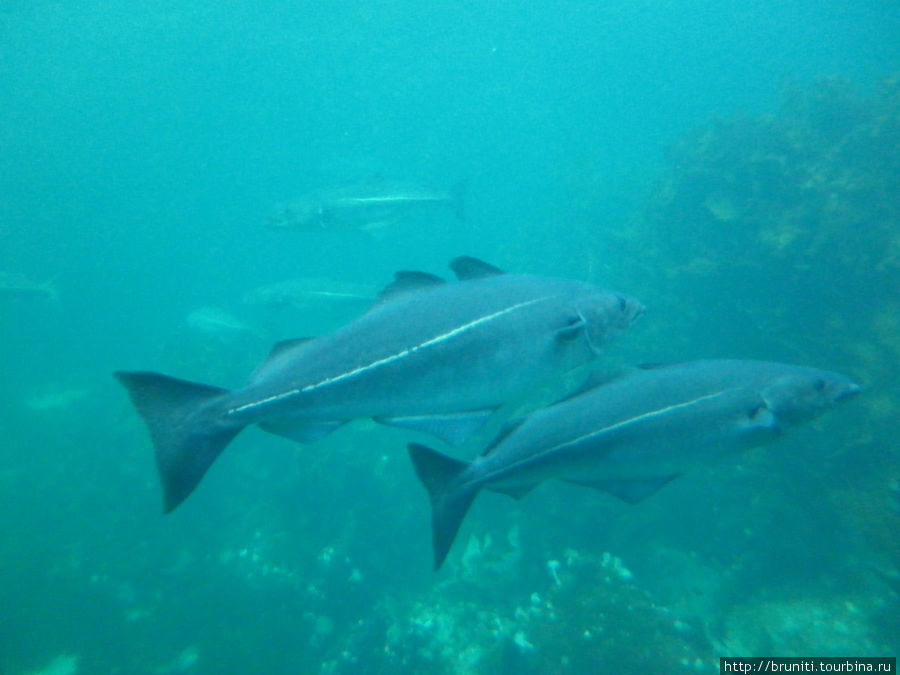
852, 390
639, 311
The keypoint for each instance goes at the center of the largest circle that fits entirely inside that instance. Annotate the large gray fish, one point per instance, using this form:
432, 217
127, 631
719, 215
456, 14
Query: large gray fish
631, 435
429, 355
365, 207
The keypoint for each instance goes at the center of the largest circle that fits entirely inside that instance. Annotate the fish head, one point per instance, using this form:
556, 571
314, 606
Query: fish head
801, 396
605, 313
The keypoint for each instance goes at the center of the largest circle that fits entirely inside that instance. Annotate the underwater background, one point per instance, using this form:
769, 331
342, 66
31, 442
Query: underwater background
734, 165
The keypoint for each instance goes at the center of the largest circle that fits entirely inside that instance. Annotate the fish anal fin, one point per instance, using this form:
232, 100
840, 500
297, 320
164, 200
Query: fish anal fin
301, 431
466, 267
514, 491
454, 428
629, 490
450, 500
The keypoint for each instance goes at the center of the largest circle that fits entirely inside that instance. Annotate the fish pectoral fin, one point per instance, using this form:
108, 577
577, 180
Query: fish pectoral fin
574, 329
628, 490
453, 428
761, 417
305, 431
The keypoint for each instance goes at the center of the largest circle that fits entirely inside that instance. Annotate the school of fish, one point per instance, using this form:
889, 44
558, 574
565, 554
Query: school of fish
444, 357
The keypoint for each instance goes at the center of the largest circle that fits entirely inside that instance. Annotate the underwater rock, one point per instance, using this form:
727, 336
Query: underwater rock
593, 600
798, 627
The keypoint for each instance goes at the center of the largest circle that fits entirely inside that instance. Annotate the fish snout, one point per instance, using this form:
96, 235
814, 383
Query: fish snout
850, 391
631, 308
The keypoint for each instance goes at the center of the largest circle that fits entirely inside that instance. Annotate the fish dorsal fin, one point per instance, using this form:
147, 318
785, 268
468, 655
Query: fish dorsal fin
276, 353
406, 281
283, 346
466, 267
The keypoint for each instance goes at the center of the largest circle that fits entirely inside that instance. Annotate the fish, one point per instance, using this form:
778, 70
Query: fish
429, 355
304, 294
16, 284
217, 323
366, 207
630, 435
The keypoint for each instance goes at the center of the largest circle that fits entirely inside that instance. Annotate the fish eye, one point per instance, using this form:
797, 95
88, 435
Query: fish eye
820, 384
623, 303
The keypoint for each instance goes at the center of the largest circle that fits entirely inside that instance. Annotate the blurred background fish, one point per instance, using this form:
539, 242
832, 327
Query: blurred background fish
305, 294
370, 206
216, 323
16, 284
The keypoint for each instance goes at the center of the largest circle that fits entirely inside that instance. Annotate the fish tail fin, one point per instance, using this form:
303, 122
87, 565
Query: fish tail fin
449, 502
187, 434
458, 200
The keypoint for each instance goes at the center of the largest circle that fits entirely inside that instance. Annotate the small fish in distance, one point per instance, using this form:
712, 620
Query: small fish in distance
368, 207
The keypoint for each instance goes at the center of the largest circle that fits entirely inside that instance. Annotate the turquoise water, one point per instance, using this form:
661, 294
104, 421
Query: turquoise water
735, 166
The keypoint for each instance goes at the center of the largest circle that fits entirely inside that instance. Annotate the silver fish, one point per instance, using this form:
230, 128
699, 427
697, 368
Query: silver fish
215, 322
364, 207
429, 355
631, 435
16, 284
304, 294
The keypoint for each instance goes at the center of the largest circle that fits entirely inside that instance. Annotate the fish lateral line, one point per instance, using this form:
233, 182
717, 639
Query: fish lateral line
387, 359
618, 425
